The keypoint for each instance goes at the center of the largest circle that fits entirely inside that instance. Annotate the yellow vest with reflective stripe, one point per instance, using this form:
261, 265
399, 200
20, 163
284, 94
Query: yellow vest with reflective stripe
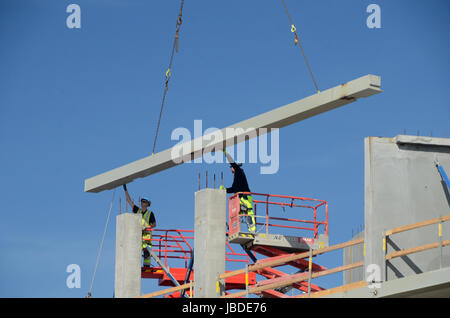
146, 223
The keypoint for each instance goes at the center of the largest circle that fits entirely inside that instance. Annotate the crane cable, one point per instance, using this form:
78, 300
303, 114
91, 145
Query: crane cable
101, 245
169, 71
297, 41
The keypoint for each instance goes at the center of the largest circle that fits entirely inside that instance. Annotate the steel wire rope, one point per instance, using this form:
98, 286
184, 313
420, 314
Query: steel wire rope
169, 72
297, 40
101, 245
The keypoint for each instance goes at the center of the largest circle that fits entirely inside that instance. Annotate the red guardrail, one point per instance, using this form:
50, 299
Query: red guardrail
316, 220
178, 244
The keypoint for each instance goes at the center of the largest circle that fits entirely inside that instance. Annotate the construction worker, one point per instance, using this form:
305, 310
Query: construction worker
240, 184
148, 222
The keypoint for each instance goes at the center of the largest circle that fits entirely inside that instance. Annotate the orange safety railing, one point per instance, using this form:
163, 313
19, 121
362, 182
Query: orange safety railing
316, 219
178, 244
298, 277
403, 252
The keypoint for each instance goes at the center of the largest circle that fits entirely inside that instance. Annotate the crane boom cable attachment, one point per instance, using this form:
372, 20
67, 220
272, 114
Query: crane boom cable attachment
169, 71
297, 41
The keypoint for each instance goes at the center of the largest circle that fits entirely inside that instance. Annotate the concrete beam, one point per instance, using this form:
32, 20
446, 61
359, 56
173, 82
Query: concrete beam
280, 117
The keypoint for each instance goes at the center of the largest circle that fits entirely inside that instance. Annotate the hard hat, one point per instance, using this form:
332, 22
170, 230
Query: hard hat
145, 199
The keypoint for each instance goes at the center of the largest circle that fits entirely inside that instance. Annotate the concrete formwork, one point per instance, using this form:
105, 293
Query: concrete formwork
127, 283
403, 186
209, 241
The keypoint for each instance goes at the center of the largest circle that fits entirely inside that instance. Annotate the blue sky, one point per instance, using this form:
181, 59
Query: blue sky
78, 102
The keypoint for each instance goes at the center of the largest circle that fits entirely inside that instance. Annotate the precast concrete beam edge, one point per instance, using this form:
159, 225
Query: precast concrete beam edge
283, 116
422, 140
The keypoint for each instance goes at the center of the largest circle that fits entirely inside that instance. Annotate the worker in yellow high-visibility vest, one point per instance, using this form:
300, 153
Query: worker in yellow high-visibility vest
240, 184
148, 222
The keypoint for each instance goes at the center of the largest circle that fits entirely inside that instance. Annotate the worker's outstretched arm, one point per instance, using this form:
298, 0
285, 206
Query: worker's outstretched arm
231, 161
229, 158
233, 187
130, 202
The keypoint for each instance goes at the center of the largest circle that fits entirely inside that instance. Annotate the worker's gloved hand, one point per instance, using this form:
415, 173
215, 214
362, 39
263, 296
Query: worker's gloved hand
125, 187
222, 187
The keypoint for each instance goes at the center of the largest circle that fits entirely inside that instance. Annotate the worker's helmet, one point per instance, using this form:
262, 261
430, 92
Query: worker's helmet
145, 199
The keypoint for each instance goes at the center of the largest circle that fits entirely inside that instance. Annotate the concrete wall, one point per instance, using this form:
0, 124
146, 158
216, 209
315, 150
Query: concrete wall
353, 254
403, 186
209, 240
127, 283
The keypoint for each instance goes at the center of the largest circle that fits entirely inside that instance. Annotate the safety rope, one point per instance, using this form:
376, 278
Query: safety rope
101, 245
169, 71
297, 41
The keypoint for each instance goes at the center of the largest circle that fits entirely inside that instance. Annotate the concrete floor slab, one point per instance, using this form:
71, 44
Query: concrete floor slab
430, 284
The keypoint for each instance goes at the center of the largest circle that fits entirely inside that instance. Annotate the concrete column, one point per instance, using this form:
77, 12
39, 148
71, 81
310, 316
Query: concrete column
209, 241
127, 282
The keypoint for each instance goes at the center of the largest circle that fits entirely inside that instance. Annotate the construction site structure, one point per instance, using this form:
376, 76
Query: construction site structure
177, 244
210, 204
402, 252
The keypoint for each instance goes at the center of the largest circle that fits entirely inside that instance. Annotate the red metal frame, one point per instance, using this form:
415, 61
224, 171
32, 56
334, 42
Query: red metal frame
268, 200
233, 282
316, 224
273, 274
172, 244
177, 244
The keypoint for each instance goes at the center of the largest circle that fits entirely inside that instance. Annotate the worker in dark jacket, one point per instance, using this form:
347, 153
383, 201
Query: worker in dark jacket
240, 184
